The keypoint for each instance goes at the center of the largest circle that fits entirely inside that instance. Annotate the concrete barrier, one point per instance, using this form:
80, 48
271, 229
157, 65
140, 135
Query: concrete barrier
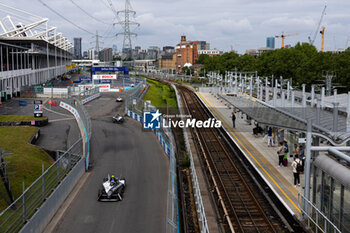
41, 218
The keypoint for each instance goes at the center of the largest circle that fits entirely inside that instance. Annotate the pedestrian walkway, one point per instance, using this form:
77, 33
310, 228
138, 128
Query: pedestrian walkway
263, 158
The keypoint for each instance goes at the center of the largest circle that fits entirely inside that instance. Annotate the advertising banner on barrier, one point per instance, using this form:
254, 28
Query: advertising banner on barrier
104, 76
104, 87
71, 109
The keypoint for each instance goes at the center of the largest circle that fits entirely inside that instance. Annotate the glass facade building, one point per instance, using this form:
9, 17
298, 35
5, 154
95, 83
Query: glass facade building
270, 42
77, 48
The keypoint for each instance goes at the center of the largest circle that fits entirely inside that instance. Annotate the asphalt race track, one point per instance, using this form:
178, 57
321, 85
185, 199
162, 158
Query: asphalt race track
123, 150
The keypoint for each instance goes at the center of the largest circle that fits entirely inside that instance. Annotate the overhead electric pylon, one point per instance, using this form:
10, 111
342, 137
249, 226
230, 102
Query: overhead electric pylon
129, 16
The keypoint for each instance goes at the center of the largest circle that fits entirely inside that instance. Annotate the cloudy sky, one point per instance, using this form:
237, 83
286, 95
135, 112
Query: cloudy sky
243, 24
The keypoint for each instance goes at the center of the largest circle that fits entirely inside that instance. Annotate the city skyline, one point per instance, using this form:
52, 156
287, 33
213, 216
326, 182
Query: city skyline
242, 24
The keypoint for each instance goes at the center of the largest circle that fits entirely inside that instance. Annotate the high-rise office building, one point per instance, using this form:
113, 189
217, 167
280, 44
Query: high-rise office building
77, 48
115, 49
270, 42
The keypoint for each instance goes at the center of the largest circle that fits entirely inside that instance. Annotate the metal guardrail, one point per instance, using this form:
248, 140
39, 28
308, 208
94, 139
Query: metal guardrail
134, 107
13, 218
197, 192
316, 220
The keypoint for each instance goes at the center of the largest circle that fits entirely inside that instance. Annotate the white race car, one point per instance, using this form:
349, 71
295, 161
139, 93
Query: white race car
112, 189
119, 99
118, 119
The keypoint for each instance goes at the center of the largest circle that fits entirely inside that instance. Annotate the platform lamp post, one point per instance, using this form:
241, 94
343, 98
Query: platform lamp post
307, 165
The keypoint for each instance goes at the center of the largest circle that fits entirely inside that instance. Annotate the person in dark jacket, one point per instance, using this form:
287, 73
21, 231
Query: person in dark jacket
233, 119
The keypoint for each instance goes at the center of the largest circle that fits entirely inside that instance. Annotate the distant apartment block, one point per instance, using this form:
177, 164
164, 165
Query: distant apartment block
203, 45
169, 49
106, 54
211, 52
257, 52
91, 54
167, 62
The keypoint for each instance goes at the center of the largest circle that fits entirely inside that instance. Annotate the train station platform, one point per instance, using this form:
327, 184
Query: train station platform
262, 157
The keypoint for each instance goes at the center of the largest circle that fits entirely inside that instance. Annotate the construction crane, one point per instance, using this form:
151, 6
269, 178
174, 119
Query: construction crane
312, 40
322, 38
284, 36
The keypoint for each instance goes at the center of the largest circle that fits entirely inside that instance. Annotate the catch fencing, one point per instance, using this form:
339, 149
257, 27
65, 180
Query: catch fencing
135, 105
14, 217
44, 196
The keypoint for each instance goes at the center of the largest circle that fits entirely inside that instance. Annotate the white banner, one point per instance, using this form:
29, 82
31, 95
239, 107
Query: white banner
104, 76
55, 90
104, 87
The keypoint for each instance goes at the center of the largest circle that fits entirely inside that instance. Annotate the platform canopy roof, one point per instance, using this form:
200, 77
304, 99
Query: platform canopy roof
293, 119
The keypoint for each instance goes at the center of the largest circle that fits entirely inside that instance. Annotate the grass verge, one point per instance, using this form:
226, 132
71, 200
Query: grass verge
26, 161
10, 118
161, 95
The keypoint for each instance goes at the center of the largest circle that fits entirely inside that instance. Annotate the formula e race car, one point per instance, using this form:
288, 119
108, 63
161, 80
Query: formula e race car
118, 119
112, 189
119, 99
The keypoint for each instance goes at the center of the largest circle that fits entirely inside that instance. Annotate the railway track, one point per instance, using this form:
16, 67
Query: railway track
241, 204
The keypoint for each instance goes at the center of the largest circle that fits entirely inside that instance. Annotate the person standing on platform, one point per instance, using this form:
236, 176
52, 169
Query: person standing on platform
280, 153
296, 165
233, 119
286, 151
269, 137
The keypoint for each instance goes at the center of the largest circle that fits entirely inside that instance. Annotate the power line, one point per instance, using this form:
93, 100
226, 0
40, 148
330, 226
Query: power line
69, 21
88, 13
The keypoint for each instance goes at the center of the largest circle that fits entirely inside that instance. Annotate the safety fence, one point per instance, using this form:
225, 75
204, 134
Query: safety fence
316, 220
44, 196
135, 106
197, 192
20, 212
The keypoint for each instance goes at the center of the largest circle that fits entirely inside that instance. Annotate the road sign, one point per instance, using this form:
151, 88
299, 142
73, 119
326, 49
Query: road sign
38, 108
302, 140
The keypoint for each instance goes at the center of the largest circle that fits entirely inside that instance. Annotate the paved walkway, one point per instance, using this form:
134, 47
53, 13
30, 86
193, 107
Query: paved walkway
264, 158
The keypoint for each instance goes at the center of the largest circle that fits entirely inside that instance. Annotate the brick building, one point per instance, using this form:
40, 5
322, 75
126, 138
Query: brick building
186, 52
167, 63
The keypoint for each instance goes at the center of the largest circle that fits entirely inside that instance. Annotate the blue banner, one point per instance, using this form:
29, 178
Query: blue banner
110, 69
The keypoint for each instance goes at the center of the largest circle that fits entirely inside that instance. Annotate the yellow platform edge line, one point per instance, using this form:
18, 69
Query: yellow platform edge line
222, 118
